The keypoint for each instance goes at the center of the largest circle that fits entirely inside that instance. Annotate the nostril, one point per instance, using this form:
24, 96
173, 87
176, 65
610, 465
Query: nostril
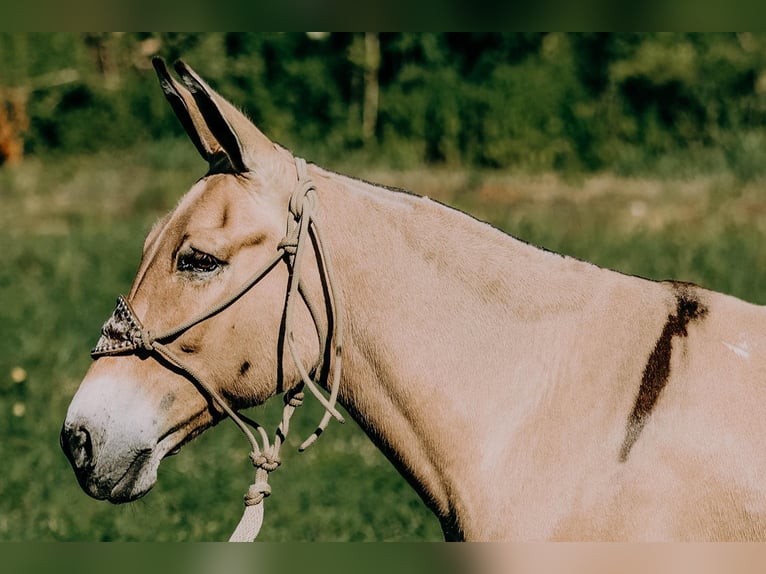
77, 445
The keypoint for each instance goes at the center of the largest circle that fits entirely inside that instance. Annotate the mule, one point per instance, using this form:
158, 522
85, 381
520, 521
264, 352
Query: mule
524, 394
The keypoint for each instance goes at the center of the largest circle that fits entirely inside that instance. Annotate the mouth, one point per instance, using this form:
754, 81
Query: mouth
171, 442
141, 474
127, 488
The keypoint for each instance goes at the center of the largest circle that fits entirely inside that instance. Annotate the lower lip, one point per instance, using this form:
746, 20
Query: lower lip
130, 478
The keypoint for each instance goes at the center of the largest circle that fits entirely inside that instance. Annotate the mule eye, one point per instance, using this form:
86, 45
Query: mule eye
194, 261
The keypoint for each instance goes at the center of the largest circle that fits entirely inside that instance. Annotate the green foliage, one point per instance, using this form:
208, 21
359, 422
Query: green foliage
684, 97
632, 103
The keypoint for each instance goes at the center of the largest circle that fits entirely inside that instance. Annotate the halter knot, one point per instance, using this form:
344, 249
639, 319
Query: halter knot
147, 340
301, 195
265, 460
289, 245
257, 492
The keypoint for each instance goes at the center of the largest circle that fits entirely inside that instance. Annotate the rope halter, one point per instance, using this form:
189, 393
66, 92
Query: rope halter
123, 333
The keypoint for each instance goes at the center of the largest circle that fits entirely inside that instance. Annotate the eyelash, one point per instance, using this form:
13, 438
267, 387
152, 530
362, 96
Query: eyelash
194, 261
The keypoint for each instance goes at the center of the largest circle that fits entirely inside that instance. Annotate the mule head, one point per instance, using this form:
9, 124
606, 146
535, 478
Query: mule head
132, 409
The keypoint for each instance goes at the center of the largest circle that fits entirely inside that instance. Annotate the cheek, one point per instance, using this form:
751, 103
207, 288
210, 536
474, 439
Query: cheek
237, 350
240, 363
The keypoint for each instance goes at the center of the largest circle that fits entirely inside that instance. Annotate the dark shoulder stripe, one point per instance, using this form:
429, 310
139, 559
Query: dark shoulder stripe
657, 369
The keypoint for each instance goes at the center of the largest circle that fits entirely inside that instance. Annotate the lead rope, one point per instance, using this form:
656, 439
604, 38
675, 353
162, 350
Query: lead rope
264, 456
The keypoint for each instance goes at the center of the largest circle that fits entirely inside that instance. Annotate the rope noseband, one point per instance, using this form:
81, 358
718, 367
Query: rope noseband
123, 333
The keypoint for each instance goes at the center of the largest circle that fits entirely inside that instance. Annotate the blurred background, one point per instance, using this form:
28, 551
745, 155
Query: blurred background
645, 153
631, 103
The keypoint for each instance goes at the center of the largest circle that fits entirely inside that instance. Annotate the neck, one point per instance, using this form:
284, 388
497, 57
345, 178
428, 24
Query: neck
433, 302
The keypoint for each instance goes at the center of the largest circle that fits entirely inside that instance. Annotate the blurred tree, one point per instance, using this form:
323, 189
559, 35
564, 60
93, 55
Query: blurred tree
536, 101
13, 124
364, 54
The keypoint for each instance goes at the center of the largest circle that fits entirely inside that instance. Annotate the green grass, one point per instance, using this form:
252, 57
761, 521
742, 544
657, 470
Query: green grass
71, 229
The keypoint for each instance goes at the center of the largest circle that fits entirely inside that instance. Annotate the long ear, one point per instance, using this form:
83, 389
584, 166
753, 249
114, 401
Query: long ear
187, 112
241, 140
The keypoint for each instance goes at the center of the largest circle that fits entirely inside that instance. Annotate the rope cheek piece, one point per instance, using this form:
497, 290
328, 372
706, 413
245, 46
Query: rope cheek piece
124, 333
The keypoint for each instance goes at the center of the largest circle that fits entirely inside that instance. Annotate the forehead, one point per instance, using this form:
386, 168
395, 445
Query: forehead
210, 200
214, 201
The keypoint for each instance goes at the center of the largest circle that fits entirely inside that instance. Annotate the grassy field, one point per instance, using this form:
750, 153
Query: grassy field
71, 229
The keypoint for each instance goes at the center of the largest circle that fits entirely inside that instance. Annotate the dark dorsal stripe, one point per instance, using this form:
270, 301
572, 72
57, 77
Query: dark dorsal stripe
657, 369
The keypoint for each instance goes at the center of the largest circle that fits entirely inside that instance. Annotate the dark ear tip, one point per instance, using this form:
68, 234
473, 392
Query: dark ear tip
181, 67
193, 82
159, 65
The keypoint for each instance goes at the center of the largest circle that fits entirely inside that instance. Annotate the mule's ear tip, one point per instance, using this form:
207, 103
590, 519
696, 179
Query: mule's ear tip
166, 82
181, 67
193, 82
159, 65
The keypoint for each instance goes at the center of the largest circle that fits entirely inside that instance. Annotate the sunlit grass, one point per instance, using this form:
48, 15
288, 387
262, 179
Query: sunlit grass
72, 230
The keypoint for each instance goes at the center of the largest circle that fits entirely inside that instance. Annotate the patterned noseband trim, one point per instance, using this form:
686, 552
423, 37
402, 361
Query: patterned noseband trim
122, 332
